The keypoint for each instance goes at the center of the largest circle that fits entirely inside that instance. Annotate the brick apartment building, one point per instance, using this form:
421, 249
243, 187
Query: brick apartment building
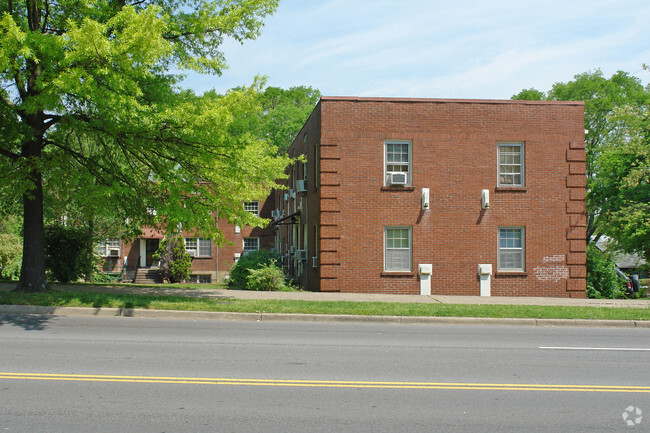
210, 263
455, 197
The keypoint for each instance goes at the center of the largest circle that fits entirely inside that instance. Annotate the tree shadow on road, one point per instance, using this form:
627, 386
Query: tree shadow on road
29, 322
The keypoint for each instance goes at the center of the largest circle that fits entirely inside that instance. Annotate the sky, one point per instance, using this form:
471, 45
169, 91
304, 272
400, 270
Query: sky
476, 49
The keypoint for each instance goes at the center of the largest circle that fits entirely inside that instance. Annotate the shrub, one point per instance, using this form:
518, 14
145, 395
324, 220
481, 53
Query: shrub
175, 263
68, 252
602, 281
252, 260
11, 256
268, 277
102, 277
11, 247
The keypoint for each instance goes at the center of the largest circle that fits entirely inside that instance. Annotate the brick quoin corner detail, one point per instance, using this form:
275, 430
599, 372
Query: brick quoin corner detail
353, 218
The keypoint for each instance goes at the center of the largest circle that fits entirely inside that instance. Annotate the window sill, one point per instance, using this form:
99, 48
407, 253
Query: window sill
397, 188
511, 189
398, 274
511, 274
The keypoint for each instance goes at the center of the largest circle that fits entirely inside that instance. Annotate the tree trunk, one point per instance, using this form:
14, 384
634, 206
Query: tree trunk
32, 272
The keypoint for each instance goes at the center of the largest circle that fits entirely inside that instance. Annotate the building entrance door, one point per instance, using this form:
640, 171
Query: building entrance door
152, 247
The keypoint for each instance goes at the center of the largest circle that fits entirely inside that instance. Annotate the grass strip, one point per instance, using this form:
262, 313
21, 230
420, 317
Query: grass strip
65, 298
194, 286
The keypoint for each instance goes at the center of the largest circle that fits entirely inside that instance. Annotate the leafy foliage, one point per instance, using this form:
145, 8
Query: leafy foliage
11, 251
175, 262
602, 281
69, 252
624, 182
618, 142
267, 277
530, 95
252, 260
11, 255
91, 115
282, 115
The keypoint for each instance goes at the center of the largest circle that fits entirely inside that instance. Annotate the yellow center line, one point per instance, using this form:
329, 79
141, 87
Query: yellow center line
327, 383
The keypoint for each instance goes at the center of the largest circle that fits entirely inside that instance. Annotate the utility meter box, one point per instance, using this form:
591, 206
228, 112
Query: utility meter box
485, 269
425, 271
484, 275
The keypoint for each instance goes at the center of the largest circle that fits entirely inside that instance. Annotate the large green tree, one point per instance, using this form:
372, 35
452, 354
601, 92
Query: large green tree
283, 113
617, 142
90, 108
624, 184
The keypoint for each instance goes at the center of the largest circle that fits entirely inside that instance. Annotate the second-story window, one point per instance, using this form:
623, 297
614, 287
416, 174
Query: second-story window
397, 158
252, 207
511, 164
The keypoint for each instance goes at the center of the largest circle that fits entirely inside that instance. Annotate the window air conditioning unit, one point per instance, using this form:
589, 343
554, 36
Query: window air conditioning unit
301, 186
274, 214
192, 253
301, 255
397, 178
114, 253
314, 262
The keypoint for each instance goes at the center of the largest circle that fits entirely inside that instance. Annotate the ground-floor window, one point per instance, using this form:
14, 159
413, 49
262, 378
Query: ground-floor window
109, 248
251, 244
397, 249
200, 279
198, 247
511, 249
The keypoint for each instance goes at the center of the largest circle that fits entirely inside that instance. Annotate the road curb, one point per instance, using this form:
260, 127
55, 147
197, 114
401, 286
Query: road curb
189, 315
60, 311
320, 318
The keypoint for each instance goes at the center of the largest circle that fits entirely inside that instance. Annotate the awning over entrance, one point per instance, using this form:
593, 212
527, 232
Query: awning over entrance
287, 220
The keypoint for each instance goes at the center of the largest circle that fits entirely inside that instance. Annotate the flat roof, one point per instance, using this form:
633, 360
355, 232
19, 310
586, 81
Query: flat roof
447, 100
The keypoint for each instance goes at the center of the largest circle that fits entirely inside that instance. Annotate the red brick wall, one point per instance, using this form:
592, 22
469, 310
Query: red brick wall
454, 152
234, 242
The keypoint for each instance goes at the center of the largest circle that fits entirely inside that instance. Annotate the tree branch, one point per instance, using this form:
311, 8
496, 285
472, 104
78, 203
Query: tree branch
186, 34
47, 15
6, 153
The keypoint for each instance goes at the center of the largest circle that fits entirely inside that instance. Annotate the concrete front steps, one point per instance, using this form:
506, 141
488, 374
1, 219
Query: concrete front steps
147, 276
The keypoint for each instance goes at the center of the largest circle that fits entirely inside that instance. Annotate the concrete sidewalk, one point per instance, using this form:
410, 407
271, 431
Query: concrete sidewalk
352, 297
225, 294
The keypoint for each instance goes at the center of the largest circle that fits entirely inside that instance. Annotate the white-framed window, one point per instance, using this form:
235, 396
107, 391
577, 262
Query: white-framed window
511, 164
397, 157
109, 248
199, 247
512, 250
251, 244
200, 279
252, 207
397, 249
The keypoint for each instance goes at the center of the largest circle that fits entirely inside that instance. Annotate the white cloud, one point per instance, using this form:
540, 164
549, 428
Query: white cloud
425, 48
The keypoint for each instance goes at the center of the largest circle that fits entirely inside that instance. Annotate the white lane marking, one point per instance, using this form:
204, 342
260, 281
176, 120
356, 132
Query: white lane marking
613, 349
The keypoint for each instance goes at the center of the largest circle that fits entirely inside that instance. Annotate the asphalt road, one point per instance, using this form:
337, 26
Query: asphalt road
82, 374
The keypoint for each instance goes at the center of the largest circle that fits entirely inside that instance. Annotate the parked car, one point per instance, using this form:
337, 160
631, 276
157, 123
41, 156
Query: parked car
626, 282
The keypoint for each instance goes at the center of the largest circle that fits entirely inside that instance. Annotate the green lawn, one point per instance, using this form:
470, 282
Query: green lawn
68, 298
